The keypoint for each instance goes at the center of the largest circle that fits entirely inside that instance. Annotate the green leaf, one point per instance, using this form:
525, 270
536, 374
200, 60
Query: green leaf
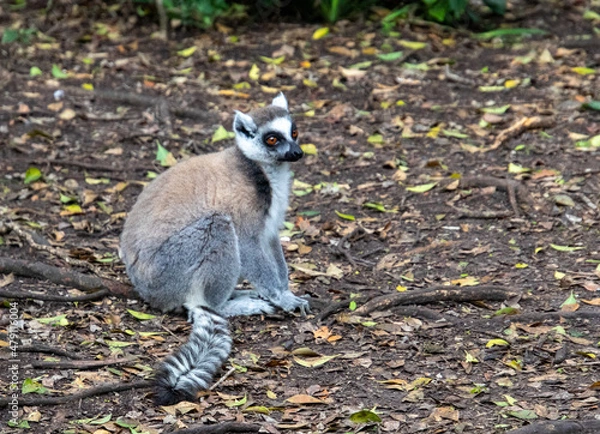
237, 402
348, 217
591, 105
34, 71
423, 188
24, 424
140, 315
565, 248
222, 134
365, 416
276, 61
376, 139
412, 45
491, 88
523, 414
361, 65
164, 157
570, 300
32, 386
352, 306
500, 33
101, 420
390, 57
506, 311
32, 174
496, 110
187, 52
375, 205
58, 73
10, 35
60, 320
497, 6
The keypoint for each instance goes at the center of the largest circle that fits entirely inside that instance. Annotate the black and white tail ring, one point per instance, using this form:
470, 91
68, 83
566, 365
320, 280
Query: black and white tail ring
191, 369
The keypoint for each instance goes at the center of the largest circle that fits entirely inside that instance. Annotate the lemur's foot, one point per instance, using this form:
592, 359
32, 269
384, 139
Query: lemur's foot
290, 302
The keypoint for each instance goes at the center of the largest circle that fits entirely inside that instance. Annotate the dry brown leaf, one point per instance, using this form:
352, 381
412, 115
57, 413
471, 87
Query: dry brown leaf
304, 399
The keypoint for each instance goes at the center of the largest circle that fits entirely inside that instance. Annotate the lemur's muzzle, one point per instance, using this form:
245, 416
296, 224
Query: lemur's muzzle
294, 153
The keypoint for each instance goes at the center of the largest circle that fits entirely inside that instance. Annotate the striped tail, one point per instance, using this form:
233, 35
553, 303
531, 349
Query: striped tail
192, 367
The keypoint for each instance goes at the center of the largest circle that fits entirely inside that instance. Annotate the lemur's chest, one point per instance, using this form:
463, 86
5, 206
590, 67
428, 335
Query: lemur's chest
279, 181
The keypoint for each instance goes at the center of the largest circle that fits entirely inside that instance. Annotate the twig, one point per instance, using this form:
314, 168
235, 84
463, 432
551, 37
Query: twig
22, 295
437, 294
82, 364
46, 349
464, 212
103, 389
512, 198
344, 252
65, 277
520, 127
333, 308
423, 312
223, 378
451, 76
220, 428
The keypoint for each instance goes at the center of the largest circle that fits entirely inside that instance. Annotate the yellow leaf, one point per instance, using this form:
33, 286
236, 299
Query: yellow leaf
509, 84
254, 73
423, 188
271, 394
466, 281
517, 168
314, 362
230, 92
309, 83
309, 149
320, 33
583, 70
413, 45
87, 86
187, 52
268, 89
434, 132
521, 265
494, 342
401, 288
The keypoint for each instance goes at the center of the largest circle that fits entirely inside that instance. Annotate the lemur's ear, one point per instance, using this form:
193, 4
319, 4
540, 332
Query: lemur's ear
280, 101
244, 124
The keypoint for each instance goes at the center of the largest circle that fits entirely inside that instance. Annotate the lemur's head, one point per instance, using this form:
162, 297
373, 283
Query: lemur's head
268, 135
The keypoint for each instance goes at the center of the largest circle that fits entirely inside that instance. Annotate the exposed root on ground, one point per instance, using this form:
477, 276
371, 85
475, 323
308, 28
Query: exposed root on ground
221, 428
82, 364
437, 294
46, 349
64, 277
88, 393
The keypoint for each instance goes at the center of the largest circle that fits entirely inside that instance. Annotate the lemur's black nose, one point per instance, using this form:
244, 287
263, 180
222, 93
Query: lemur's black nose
295, 154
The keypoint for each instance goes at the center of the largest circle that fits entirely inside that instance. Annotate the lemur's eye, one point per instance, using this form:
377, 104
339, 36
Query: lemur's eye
294, 134
271, 140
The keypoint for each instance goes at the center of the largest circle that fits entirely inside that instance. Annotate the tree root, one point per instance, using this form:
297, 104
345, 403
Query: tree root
82, 364
591, 426
65, 277
22, 295
46, 349
220, 428
103, 389
436, 294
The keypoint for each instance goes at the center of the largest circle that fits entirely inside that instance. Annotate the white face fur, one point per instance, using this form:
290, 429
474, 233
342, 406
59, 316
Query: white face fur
269, 142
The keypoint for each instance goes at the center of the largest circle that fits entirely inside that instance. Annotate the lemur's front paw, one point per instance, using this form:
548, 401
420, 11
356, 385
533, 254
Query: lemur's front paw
289, 302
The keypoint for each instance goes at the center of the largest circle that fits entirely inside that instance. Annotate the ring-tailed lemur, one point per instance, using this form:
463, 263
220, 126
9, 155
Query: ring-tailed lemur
206, 223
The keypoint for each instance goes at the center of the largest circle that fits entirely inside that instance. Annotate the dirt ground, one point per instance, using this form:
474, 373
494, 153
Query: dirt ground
444, 221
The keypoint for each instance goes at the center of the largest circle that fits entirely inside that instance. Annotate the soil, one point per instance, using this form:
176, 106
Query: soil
460, 175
